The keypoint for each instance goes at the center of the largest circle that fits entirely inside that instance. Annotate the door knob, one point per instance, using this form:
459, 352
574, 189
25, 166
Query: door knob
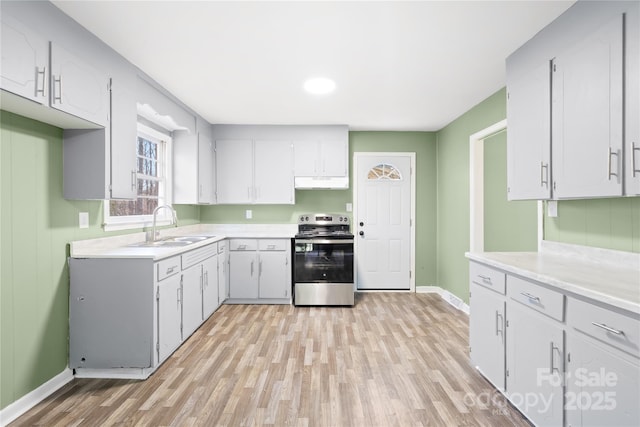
361, 233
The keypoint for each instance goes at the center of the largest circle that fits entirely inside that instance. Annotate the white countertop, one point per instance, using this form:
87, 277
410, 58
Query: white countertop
611, 277
119, 246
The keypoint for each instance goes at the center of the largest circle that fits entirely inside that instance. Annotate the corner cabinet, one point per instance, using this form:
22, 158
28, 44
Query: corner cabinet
126, 316
573, 106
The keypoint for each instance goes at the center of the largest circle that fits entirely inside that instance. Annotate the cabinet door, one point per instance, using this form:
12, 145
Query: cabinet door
234, 171
603, 387
124, 137
275, 275
306, 158
529, 135
206, 173
191, 300
632, 102
77, 88
169, 316
587, 116
535, 354
223, 272
210, 291
243, 275
25, 57
487, 334
333, 158
273, 172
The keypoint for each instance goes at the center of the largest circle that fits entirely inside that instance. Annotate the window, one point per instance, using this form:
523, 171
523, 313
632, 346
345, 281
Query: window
384, 171
153, 184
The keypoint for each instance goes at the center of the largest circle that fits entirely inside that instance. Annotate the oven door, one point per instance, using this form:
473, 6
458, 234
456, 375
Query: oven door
323, 260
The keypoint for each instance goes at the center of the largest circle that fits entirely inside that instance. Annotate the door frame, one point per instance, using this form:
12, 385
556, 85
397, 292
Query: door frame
476, 187
412, 219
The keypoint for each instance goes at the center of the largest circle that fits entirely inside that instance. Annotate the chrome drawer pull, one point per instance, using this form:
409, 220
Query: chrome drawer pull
607, 328
531, 297
485, 279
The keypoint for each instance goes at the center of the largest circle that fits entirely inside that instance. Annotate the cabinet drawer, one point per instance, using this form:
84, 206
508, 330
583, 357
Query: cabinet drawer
193, 257
273, 245
488, 277
168, 267
536, 297
243, 245
223, 246
618, 329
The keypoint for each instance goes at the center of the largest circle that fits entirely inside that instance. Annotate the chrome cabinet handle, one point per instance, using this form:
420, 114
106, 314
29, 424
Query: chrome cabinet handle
612, 153
57, 94
608, 328
544, 174
551, 368
43, 73
633, 158
531, 297
485, 279
171, 269
252, 268
260, 268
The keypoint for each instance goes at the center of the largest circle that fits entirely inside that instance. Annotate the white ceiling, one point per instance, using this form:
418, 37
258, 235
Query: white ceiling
397, 65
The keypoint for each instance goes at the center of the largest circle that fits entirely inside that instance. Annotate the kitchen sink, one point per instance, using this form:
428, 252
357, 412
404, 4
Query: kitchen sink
171, 242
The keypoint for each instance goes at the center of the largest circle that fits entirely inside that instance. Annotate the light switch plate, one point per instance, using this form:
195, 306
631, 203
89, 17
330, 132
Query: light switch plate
349, 207
552, 208
248, 214
83, 219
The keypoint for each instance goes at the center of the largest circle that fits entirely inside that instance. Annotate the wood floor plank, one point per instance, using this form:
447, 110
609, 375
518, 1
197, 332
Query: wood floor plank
394, 359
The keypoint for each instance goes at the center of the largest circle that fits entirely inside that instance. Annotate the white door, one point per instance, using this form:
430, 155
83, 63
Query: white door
383, 222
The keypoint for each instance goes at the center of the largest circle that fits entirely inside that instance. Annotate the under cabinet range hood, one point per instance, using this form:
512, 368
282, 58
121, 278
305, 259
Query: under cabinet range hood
322, 182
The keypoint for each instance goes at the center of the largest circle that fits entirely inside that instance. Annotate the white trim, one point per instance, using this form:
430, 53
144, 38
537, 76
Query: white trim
445, 295
412, 231
31, 399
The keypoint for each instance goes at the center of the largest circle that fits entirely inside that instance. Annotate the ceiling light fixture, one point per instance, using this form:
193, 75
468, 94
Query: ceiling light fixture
319, 85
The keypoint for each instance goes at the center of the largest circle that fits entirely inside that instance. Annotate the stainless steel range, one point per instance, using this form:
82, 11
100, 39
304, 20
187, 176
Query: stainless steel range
323, 262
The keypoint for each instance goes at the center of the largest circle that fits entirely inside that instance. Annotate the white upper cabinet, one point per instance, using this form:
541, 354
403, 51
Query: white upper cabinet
254, 172
25, 61
321, 163
78, 88
587, 108
273, 172
234, 171
124, 137
529, 135
193, 168
632, 103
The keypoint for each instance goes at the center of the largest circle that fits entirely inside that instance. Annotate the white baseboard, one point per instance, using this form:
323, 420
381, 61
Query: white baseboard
445, 295
28, 401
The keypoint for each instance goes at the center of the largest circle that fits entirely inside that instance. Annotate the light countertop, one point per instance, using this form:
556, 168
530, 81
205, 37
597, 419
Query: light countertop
119, 246
611, 277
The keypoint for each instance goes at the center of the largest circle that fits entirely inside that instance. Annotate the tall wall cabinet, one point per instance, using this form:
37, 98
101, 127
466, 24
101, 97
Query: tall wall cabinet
572, 106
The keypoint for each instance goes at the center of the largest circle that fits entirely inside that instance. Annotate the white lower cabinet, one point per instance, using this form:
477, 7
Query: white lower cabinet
535, 354
169, 297
487, 333
568, 360
260, 270
223, 271
126, 316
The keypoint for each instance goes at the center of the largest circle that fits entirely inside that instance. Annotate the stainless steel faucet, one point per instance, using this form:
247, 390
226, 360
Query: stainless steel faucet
174, 217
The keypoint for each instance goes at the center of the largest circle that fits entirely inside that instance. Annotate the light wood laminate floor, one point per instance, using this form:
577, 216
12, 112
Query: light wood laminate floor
394, 359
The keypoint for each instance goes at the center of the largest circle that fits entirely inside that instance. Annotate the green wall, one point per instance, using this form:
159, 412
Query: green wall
508, 225
604, 223
453, 192
36, 226
422, 143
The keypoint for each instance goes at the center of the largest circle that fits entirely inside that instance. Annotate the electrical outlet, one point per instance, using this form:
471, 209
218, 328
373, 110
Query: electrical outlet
248, 214
349, 207
552, 208
83, 219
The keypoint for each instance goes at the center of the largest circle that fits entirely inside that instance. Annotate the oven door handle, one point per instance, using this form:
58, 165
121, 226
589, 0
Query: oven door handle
324, 241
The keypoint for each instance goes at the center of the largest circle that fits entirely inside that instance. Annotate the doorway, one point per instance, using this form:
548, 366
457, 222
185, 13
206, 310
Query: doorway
384, 221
